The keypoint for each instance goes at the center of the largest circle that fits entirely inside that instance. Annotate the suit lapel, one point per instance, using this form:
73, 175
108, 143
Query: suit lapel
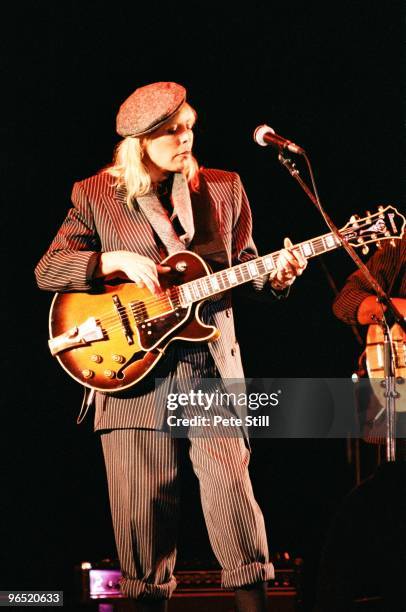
148, 215
130, 224
159, 220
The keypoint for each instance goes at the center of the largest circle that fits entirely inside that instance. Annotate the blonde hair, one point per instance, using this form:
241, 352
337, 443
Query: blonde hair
130, 171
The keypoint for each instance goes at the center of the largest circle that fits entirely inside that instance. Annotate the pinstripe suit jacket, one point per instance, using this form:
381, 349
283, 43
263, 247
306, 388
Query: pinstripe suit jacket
100, 220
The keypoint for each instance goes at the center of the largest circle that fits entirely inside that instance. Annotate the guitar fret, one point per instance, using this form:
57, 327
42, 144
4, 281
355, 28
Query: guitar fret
204, 286
187, 293
239, 274
246, 272
261, 267
330, 241
195, 290
268, 263
215, 283
318, 246
221, 281
253, 268
190, 291
226, 280
232, 278
307, 249
199, 288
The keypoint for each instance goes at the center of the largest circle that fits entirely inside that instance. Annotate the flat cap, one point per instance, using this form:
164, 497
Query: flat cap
149, 107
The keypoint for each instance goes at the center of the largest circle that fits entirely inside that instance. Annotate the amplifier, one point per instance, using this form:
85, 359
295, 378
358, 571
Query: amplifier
198, 589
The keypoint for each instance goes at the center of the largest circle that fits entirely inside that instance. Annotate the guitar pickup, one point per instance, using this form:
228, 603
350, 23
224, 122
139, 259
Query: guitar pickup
123, 319
89, 331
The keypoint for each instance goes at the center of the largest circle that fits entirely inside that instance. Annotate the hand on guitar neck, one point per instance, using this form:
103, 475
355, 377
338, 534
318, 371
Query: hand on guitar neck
370, 307
289, 265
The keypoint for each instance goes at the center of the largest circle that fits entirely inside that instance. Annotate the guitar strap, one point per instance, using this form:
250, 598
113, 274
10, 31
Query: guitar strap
207, 241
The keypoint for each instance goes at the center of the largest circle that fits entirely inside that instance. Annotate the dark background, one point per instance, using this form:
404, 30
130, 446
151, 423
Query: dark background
327, 76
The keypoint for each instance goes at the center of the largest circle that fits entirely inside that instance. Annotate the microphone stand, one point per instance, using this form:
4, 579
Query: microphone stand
389, 371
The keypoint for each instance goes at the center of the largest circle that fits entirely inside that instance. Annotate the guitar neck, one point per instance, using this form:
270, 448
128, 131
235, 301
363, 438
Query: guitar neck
216, 283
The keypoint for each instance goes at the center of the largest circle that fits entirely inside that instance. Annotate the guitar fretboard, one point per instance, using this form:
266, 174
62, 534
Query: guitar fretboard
215, 283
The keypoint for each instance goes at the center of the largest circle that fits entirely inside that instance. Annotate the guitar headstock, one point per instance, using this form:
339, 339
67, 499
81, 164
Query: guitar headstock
386, 224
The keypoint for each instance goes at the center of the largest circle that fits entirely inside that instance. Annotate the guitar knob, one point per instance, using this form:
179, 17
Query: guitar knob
392, 242
181, 266
365, 250
118, 358
87, 373
96, 358
109, 373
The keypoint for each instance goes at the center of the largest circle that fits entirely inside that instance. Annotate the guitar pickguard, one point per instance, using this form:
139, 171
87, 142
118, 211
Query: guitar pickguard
153, 331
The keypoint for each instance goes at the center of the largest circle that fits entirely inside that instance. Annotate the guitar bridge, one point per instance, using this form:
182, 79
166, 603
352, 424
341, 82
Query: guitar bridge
89, 331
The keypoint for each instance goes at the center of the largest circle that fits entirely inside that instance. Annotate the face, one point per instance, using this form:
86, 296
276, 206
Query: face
168, 149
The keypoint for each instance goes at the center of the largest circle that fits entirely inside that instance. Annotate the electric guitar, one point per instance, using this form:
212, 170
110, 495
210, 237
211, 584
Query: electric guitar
112, 338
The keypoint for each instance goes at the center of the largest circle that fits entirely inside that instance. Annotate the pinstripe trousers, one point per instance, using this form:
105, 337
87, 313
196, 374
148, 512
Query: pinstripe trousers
142, 474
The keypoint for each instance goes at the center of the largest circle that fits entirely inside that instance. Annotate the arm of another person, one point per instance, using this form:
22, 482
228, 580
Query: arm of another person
370, 308
356, 302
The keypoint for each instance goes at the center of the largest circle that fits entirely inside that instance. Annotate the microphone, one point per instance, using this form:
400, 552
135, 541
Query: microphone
265, 135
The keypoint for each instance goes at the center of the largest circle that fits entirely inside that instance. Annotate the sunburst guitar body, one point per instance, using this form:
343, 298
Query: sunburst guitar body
111, 339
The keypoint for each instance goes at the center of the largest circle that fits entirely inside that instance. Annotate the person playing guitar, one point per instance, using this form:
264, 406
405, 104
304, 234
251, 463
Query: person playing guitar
154, 201
356, 304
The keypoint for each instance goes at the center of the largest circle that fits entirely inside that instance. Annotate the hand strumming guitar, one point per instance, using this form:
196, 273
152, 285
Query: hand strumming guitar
141, 270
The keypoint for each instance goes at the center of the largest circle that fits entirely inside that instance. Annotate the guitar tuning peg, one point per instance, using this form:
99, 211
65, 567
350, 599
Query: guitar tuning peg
368, 215
365, 250
354, 221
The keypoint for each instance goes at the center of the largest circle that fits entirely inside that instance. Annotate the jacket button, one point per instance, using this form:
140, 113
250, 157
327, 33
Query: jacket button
228, 313
233, 351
